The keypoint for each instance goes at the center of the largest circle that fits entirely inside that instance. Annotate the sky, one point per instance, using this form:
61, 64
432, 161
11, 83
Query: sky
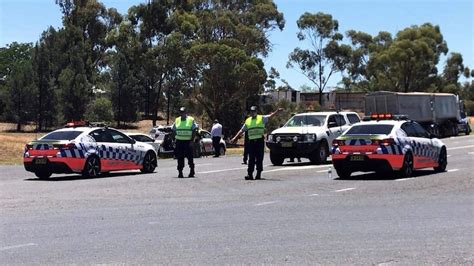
25, 20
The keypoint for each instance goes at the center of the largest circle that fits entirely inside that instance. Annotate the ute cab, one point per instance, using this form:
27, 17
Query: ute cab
87, 150
383, 143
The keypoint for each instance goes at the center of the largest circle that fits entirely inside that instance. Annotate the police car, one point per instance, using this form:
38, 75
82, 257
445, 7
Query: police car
386, 143
89, 151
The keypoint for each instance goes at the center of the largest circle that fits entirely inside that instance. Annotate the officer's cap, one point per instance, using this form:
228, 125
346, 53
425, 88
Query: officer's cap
182, 109
253, 108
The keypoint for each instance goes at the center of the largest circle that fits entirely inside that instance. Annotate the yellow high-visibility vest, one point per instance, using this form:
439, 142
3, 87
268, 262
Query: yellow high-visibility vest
184, 129
255, 127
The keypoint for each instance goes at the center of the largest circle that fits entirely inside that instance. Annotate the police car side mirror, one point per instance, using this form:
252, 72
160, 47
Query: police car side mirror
133, 141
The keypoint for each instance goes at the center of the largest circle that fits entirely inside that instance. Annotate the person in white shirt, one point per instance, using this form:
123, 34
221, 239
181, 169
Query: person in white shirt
216, 134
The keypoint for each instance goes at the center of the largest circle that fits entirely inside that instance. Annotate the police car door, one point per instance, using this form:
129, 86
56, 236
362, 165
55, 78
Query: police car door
429, 151
418, 145
125, 152
105, 148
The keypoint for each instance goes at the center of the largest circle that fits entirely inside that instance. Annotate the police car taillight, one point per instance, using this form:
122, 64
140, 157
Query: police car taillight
338, 142
384, 142
28, 147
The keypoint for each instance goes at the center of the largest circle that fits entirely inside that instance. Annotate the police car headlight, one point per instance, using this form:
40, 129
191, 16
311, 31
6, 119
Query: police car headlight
310, 137
270, 137
278, 139
295, 139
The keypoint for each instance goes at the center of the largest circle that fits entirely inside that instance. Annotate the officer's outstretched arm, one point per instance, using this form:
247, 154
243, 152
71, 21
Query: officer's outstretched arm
237, 136
276, 112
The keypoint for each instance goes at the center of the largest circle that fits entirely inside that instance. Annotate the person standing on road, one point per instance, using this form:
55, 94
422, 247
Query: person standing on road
216, 134
255, 128
184, 129
246, 148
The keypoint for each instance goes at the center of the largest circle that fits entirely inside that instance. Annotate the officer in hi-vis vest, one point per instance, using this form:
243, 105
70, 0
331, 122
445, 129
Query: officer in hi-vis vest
184, 129
255, 128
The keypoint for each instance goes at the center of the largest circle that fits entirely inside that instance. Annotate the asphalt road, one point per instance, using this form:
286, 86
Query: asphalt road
297, 215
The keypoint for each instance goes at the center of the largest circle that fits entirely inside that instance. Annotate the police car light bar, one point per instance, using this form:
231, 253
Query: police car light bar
77, 124
385, 116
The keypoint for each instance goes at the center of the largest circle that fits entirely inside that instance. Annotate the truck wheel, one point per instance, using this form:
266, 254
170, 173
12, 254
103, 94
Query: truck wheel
43, 174
343, 173
407, 169
276, 159
442, 161
320, 155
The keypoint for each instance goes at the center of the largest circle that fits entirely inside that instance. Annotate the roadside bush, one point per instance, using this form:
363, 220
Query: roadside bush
100, 110
469, 107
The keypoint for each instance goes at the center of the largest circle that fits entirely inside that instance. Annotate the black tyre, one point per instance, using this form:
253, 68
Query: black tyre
149, 162
320, 155
407, 169
343, 173
43, 174
442, 161
222, 150
92, 167
276, 159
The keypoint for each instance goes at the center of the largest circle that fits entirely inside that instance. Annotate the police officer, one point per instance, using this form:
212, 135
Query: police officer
184, 129
255, 128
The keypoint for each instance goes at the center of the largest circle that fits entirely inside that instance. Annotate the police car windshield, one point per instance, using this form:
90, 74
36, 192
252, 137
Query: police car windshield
306, 120
370, 130
62, 135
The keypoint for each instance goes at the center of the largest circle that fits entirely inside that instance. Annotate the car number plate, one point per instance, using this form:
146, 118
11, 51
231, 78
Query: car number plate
287, 144
41, 161
357, 158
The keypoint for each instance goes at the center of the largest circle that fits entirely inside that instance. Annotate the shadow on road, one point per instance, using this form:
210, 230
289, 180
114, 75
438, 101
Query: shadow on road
385, 176
79, 177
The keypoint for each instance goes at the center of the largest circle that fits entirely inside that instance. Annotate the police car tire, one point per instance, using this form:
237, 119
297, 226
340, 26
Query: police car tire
407, 169
442, 161
343, 173
149, 163
91, 163
43, 174
276, 159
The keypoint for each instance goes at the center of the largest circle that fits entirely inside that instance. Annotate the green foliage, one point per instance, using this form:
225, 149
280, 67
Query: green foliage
100, 110
277, 121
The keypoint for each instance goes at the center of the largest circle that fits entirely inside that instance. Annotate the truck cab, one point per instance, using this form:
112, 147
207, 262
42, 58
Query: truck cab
308, 135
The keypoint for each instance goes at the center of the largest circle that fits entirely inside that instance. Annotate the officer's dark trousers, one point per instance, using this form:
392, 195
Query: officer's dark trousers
216, 142
256, 149
246, 150
184, 148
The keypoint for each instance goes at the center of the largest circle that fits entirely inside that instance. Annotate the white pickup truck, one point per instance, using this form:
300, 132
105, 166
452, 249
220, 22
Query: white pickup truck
308, 135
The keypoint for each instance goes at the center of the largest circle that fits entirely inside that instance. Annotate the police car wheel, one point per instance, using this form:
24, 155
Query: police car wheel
92, 167
276, 159
43, 174
407, 169
149, 163
442, 161
343, 173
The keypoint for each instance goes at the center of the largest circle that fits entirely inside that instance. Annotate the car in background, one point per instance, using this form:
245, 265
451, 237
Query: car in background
146, 139
202, 143
387, 143
90, 151
308, 135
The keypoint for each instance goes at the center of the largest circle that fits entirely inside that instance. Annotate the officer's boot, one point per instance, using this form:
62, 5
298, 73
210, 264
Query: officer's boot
249, 176
191, 173
259, 175
180, 174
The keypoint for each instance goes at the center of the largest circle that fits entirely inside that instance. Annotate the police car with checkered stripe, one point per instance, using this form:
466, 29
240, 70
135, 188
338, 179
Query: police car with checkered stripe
385, 143
90, 151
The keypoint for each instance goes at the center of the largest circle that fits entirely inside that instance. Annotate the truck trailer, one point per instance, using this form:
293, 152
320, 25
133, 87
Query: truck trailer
439, 113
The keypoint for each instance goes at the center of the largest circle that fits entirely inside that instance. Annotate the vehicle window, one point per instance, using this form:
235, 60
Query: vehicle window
206, 135
409, 129
353, 118
141, 138
332, 119
340, 120
306, 120
370, 130
62, 135
420, 131
119, 137
102, 135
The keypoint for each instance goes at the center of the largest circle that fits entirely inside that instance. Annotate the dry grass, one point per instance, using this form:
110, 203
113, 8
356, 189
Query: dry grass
12, 146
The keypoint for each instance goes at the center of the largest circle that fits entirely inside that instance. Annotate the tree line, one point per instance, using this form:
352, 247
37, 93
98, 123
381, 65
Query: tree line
206, 54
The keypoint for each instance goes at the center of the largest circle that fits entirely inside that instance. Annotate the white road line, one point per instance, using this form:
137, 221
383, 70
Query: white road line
266, 203
463, 147
312, 195
453, 170
322, 171
470, 153
345, 189
449, 155
225, 170
293, 168
404, 179
18, 246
